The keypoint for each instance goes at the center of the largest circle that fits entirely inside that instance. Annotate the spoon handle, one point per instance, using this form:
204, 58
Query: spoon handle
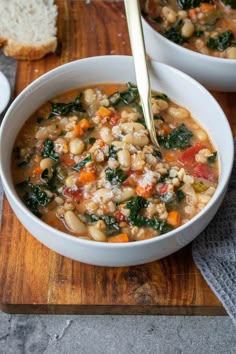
139, 54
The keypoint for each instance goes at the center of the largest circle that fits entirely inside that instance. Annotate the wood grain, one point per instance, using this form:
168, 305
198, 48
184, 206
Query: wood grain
33, 279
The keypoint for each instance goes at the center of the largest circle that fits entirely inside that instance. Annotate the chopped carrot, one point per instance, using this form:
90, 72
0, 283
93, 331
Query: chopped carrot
166, 129
86, 176
101, 143
205, 7
192, 12
170, 156
144, 192
119, 238
37, 171
78, 130
104, 112
173, 218
84, 124
67, 160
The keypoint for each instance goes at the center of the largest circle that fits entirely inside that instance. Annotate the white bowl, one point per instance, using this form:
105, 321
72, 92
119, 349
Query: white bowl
214, 73
5, 92
180, 88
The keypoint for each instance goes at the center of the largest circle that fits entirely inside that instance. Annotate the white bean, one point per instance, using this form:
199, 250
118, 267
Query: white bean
201, 135
179, 113
231, 53
76, 146
169, 14
106, 135
203, 198
46, 163
136, 139
71, 180
188, 29
74, 223
131, 127
124, 158
97, 234
89, 96
103, 195
162, 104
124, 194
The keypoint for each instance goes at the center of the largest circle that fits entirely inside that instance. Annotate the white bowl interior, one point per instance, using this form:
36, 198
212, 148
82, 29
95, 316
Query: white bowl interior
178, 86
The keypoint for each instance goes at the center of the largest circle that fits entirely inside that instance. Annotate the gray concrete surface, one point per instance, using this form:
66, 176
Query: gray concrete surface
21, 334
49, 334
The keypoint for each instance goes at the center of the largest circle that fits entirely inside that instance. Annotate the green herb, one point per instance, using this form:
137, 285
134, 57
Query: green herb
231, 3
48, 150
174, 33
62, 133
113, 152
161, 96
190, 4
116, 176
212, 158
136, 205
168, 197
198, 33
141, 121
180, 195
82, 163
157, 153
90, 140
64, 109
223, 41
34, 196
163, 178
112, 226
90, 129
50, 179
200, 187
126, 97
178, 138
40, 119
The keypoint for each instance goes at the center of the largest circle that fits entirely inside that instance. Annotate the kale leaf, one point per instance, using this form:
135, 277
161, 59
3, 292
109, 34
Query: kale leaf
64, 109
112, 226
212, 158
34, 197
231, 3
178, 138
223, 41
82, 163
180, 195
174, 33
113, 152
48, 150
161, 96
115, 177
125, 97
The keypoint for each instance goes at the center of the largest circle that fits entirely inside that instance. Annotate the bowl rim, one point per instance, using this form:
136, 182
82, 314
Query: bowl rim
210, 59
97, 244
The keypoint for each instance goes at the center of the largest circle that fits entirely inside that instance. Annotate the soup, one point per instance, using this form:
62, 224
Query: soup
84, 164
208, 26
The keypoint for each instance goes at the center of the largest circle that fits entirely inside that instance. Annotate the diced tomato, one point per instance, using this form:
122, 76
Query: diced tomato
119, 217
188, 156
202, 170
115, 119
163, 189
76, 194
67, 160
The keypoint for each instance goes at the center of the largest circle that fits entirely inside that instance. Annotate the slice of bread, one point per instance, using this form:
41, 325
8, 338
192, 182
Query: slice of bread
28, 28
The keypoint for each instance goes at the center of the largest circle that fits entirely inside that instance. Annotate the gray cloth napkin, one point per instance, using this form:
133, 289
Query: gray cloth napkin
214, 251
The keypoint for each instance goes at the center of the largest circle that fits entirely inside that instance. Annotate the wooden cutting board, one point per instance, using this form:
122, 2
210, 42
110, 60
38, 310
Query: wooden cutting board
34, 279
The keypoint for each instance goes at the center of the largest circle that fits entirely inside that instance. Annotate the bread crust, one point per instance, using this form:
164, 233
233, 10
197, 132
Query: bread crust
23, 51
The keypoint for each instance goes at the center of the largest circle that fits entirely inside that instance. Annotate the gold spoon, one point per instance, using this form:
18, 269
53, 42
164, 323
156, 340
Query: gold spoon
133, 16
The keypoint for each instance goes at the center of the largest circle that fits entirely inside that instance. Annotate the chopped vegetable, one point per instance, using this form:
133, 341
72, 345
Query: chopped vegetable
113, 151
200, 187
168, 197
104, 112
144, 192
48, 150
173, 218
86, 176
180, 195
223, 41
212, 158
116, 176
119, 238
188, 156
82, 163
178, 138
161, 96
37, 171
203, 170
124, 97
189, 4
90, 140
64, 109
112, 225
174, 33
